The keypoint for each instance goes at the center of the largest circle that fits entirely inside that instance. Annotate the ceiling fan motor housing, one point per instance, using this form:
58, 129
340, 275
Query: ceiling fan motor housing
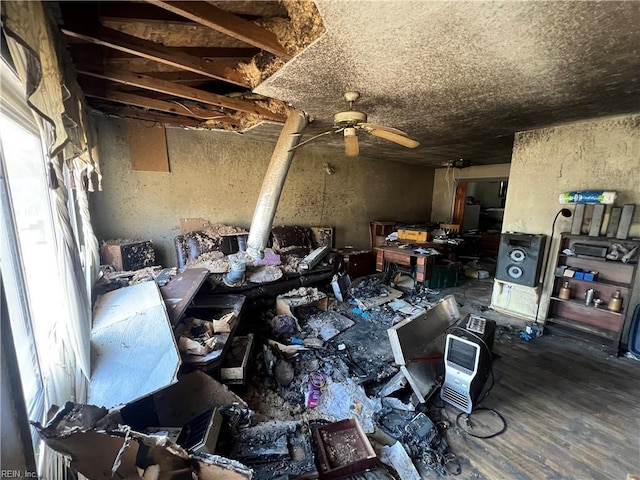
349, 118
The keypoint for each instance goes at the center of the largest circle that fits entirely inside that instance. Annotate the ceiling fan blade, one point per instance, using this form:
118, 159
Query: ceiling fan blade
394, 137
351, 146
373, 126
317, 136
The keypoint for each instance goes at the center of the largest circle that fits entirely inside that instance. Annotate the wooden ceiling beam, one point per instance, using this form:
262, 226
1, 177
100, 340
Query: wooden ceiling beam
131, 112
144, 13
217, 53
136, 13
179, 77
123, 42
183, 91
209, 53
217, 19
183, 109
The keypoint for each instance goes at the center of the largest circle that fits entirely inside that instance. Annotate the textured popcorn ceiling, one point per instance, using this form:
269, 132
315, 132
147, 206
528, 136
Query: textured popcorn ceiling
462, 77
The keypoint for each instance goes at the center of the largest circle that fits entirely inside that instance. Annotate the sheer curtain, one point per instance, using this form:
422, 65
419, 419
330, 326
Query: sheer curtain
71, 166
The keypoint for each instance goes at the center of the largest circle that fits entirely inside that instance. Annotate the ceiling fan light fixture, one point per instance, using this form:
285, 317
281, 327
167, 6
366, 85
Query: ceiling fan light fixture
351, 145
348, 123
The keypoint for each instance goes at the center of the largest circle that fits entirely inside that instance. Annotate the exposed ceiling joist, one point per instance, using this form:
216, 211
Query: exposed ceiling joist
209, 53
178, 77
227, 23
130, 112
143, 13
220, 52
183, 91
183, 109
153, 51
136, 13
144, 65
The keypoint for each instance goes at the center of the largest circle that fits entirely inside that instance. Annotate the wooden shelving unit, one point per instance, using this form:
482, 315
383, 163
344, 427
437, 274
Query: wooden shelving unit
587, 321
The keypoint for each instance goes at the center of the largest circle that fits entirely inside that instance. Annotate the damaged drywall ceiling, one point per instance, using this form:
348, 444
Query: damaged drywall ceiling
462, 77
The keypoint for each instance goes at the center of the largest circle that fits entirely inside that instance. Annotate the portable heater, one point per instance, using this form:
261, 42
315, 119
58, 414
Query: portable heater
467, 363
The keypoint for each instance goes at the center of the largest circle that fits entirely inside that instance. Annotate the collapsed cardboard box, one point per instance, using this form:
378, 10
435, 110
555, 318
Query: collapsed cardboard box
101, 447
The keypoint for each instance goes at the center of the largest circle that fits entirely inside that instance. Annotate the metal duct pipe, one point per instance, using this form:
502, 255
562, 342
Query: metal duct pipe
274, 181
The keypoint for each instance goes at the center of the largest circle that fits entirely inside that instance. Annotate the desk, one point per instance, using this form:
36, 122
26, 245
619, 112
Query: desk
407, 258
449, 251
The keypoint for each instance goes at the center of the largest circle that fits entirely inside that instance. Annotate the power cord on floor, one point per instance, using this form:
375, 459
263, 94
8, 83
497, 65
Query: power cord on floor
469, 423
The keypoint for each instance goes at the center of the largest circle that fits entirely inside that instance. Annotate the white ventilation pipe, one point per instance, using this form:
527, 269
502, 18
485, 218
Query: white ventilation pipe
274, 182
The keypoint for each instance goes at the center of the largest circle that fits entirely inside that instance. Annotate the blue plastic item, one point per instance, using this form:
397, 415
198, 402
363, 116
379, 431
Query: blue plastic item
634, 331
588, 196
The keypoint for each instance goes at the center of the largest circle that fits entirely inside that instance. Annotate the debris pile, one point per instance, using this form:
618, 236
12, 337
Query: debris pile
215, 262
326, 386
196, 337
369, 287
98, 442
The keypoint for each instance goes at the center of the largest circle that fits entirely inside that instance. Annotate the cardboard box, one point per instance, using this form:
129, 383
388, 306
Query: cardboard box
128, 256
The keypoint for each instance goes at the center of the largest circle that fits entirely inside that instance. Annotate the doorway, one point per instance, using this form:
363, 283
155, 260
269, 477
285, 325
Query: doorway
479, 208
479, 204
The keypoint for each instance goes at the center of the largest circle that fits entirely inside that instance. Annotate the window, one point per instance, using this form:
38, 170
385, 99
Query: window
15, 275
28, 253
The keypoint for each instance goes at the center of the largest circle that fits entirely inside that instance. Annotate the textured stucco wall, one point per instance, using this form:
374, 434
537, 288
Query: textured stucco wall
218, 175
444, 186
595, 155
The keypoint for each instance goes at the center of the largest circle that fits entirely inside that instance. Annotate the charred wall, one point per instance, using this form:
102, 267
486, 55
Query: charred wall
218, 175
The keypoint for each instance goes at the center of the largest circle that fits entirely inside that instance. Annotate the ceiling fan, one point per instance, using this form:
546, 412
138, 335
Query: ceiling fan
350, 121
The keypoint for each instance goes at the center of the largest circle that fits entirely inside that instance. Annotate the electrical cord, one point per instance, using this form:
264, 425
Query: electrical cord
470, 425
199, 117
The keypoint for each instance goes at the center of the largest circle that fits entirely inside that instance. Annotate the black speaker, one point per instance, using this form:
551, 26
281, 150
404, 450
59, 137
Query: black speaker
520, 258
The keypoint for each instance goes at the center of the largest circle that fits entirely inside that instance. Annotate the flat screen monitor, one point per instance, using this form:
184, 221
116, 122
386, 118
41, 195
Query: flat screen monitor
462, 353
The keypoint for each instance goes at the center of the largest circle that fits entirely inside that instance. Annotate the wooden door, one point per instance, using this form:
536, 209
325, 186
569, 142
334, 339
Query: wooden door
459, 202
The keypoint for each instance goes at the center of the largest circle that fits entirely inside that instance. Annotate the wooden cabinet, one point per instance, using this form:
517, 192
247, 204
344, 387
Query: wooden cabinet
573, 314
358, 263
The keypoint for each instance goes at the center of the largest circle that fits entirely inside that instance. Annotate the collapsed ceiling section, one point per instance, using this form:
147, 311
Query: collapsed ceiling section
189, 64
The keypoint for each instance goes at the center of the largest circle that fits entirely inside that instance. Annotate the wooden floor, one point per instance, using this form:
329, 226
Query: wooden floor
572, 411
